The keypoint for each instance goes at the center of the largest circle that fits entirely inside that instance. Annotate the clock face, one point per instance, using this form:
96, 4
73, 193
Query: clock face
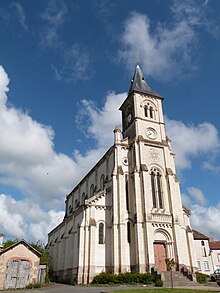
128, 115
151, 133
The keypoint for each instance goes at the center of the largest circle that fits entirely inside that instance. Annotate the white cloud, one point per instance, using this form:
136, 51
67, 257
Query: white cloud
101, 122
27, 157
206, 219
24, 219
54, 17
203, 217
43, 177
76, 64
19, 12
189, 141
28, 161
167, 51
197, 194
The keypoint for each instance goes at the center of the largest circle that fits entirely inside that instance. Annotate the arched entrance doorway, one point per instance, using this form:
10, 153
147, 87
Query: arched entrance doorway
162, 249
160, 256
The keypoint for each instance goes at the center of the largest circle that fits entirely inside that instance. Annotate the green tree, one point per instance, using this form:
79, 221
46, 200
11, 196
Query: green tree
9, 242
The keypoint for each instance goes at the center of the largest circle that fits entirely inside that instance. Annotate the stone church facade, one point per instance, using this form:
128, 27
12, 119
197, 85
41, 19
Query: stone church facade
126, 214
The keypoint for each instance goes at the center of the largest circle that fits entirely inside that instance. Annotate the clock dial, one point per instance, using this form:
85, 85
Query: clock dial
129, 115
151, 133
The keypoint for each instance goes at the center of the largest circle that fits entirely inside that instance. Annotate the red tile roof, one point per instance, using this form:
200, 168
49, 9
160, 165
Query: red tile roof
198, 235
214, 245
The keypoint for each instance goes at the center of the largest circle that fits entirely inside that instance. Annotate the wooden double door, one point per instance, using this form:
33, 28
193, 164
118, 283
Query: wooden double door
160, 256
17, 274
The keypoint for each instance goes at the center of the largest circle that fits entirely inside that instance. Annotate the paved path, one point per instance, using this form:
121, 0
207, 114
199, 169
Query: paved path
60, 288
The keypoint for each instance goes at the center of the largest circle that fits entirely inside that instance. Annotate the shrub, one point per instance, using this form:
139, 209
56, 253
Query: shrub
123, 278
201, 278
31, 286
159, 283
103, 278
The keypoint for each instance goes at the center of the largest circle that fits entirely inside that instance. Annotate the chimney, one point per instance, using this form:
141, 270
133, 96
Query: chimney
1, 241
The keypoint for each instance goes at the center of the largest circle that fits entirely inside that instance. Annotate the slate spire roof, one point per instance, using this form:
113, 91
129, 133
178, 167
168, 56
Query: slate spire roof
138, 84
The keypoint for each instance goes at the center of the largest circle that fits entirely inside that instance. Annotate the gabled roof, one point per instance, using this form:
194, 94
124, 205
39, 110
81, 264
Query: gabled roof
214, 245
138, 84
199, 236
25, 243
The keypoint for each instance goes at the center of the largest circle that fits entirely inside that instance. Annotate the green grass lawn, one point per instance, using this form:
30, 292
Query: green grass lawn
162, 290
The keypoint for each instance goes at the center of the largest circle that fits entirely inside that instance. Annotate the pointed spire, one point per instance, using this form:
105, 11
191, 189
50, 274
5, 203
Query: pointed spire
138, 84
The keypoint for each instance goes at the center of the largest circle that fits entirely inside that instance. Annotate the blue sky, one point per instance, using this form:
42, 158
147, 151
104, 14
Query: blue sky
65, 69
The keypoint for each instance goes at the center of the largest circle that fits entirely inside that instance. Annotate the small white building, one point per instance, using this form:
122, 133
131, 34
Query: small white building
126, 214
203, 256
215, 253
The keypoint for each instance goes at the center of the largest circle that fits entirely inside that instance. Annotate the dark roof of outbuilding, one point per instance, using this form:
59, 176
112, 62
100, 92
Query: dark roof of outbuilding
25, 243
138, 84
198, 235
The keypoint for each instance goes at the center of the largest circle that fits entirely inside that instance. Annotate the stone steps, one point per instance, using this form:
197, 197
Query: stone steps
178, 279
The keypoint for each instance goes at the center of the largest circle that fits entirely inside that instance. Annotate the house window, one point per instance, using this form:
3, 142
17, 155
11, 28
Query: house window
199, 265
204, 254
156, 187
101, 233
218, 257
206, 265
129, 232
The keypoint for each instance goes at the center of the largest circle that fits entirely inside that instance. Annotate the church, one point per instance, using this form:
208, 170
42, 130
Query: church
126, 214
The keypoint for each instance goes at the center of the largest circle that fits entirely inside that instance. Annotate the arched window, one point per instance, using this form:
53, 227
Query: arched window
102, 182
127, 192
70, 209
149, 110
101, 233
146, 111
156, 187
83, 197
92, 190
76, 203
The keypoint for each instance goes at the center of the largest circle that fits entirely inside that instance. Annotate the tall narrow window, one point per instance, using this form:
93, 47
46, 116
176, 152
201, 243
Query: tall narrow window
159, 191
153, 190
151, 112
146, 111
83, 197
127, 192
206, 265
129, 232
102, 182
101, 233
92, 190
156, 187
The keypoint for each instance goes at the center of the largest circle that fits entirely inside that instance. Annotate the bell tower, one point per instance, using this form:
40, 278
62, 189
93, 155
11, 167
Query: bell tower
161, 226
142, 113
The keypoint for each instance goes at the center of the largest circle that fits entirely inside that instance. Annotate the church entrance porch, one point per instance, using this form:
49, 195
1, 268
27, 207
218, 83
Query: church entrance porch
160, 256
